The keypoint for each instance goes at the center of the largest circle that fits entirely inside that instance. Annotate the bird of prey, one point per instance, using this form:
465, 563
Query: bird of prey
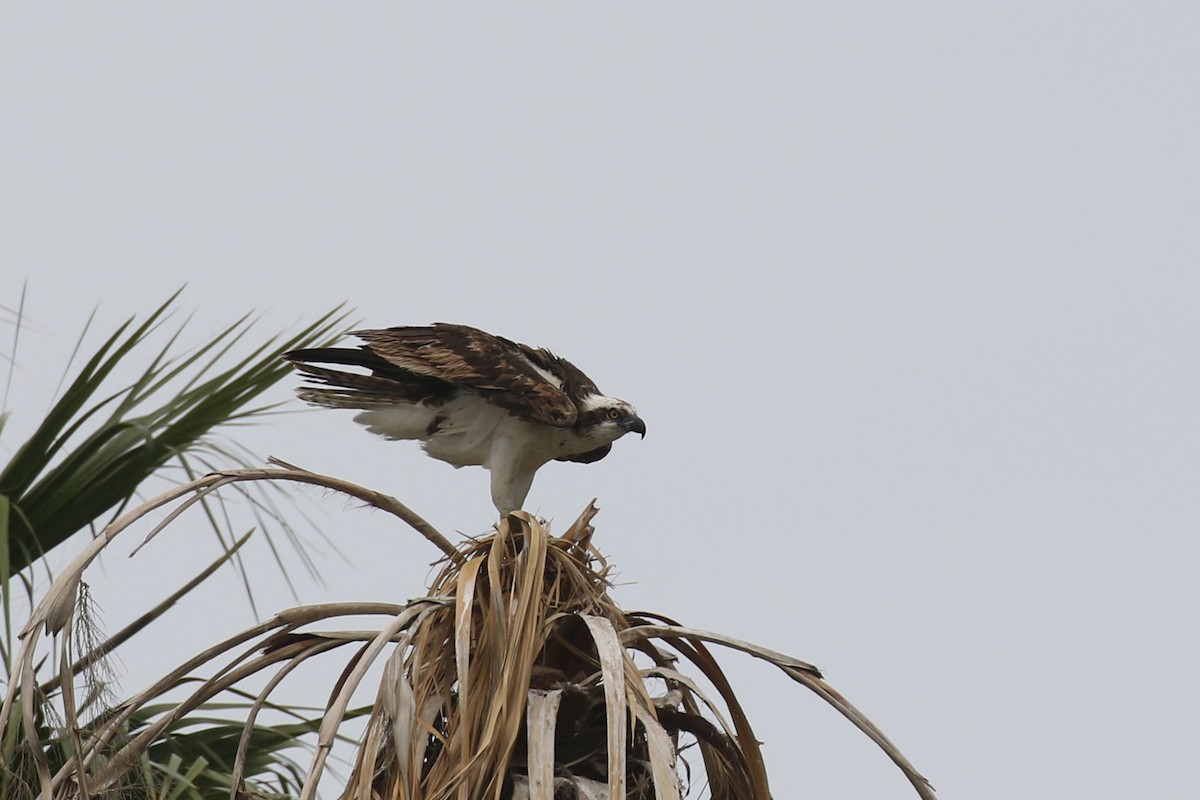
470, 398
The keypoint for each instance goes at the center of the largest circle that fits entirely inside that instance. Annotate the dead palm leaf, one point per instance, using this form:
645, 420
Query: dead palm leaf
516, 676
528, 686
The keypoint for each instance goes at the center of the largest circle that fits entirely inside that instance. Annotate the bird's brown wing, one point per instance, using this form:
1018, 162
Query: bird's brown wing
513, 376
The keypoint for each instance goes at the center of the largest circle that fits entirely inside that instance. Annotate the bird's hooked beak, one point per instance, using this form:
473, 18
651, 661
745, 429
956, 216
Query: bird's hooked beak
637, 426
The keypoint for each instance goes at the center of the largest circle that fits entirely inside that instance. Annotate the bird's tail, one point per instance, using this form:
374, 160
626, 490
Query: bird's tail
346, 389
385, 384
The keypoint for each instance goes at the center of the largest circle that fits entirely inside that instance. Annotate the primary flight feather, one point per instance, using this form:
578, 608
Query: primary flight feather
470, 398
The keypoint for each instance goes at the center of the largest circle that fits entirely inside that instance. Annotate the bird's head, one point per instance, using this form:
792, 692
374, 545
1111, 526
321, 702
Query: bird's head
609, 418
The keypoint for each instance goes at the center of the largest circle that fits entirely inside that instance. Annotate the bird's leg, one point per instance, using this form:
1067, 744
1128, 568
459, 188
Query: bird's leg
510, 487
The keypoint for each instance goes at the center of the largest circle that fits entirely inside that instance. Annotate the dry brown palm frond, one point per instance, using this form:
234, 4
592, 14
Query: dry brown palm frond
517, 676
527, 686
103, 751
532, 633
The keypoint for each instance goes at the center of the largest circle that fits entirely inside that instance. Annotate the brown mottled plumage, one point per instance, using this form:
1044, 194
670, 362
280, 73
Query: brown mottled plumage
471, 398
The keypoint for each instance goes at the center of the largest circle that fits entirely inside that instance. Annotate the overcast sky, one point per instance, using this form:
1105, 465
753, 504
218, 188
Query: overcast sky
907, 295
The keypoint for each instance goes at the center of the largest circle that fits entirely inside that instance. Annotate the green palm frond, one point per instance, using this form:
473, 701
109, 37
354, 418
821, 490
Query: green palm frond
209, 741
106, 434
99, 443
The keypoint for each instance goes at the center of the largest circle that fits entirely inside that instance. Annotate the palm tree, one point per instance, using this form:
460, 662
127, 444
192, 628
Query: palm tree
100, 445
515, 675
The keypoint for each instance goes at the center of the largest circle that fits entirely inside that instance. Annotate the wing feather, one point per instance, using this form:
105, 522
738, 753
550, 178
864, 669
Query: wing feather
533, 383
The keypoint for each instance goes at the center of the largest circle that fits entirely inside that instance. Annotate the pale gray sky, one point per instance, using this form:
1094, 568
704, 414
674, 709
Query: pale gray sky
906, 293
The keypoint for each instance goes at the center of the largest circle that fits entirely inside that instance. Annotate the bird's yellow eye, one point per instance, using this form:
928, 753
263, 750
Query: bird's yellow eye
614, 413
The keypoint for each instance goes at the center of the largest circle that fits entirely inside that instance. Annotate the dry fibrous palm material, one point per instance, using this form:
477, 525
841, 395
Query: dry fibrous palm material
516, 676
528, 686
531, 635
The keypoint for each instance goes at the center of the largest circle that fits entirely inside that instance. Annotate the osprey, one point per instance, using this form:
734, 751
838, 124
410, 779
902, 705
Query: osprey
470, 398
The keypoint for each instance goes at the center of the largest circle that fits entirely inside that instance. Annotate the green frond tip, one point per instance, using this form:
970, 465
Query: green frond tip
101, 440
